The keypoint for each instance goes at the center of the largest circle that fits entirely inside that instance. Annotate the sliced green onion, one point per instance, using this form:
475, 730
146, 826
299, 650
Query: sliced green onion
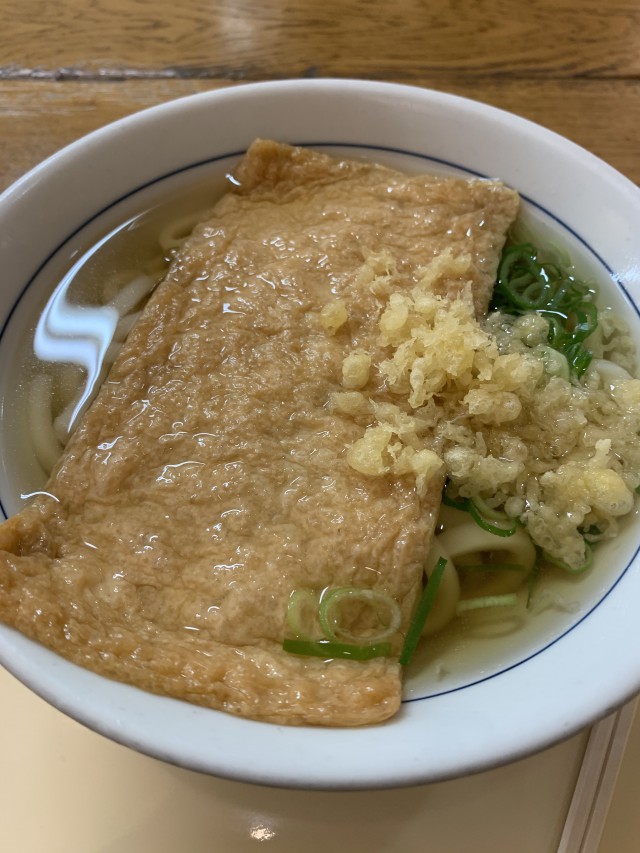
524, 284
585, 321
302, 613
416, 626
557, 337
487, 511
578, 358
521, 278
567, 568
508, 600
555, 362
489, 519
331, 614
498, 527
329, 649
456, 503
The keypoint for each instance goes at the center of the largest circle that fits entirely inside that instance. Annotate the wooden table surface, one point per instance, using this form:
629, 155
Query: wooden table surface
69, 67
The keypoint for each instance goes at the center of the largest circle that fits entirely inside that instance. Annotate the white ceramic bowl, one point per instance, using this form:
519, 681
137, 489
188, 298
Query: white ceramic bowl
512, 696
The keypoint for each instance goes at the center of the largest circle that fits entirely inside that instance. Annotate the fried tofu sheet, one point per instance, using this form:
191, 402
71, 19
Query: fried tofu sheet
209, 479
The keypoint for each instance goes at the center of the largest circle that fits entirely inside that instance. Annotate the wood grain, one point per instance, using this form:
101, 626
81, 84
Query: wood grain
249, 40
71, 67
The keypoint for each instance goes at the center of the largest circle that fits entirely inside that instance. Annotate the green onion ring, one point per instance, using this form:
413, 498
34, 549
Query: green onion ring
508, 600
499, 528
524, 284
333, 599
302, 600
555, 362
586, 316
567, 568
461, 504
329, 649
416, 626
487, 511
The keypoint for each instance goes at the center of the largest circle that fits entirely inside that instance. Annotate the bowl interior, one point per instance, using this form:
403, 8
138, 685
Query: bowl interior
52, 219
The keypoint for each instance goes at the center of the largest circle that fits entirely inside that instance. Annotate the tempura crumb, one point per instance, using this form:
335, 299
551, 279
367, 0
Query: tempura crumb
355, 369
350, 402
333, 315
473, 400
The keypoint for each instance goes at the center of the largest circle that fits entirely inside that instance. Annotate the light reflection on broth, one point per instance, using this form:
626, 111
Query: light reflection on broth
89, 314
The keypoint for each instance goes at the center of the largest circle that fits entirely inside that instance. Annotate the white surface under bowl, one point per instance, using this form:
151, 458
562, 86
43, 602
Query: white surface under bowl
510, 697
